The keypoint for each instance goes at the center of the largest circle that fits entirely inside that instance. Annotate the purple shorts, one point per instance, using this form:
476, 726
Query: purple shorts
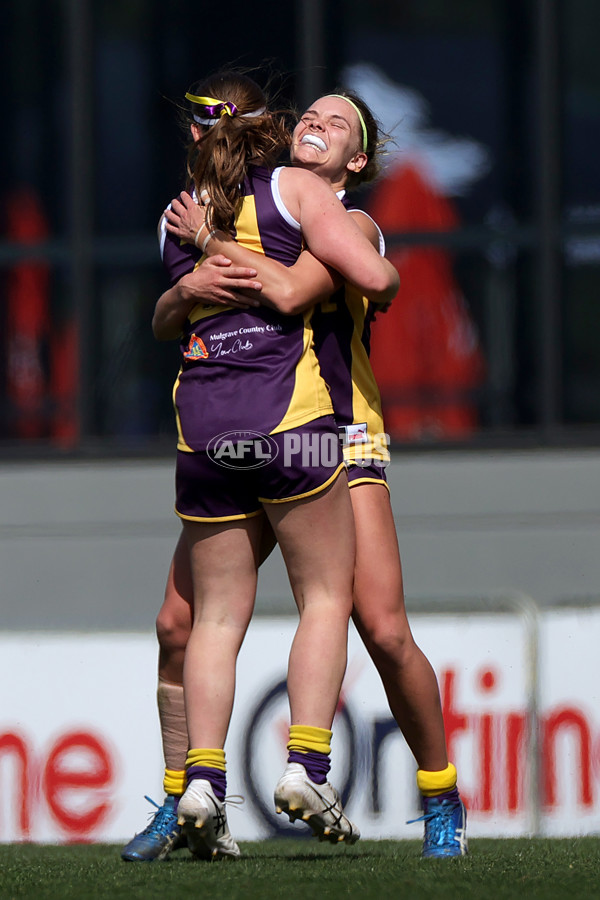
366, 471
241, 471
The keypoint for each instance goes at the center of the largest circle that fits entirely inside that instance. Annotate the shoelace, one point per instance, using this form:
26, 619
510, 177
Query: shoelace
234, 800
162, 821
439, 825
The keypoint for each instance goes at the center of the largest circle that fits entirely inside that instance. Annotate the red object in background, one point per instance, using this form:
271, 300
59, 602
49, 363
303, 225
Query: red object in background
27, 320
424, 351
64, 369
41, 357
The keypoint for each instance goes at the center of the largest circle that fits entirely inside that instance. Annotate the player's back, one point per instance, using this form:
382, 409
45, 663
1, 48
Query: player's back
254, 368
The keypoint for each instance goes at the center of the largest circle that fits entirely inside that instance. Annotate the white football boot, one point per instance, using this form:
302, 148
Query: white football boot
204, 822
317, 804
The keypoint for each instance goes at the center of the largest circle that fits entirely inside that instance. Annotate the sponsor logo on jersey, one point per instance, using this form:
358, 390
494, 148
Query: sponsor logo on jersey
356, 434
196, 348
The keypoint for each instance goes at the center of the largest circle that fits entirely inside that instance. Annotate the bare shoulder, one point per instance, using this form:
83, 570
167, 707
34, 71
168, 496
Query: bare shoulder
295, 175
301, 180
300, 189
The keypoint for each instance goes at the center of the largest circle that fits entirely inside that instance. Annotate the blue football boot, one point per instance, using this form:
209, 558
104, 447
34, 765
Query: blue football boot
445, 819
159, 837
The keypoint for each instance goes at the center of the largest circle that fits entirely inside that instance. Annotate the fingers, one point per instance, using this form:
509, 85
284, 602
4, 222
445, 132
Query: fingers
187, 200
232, 298
242, 299
219, 259
244, 284
230, 288
185, 217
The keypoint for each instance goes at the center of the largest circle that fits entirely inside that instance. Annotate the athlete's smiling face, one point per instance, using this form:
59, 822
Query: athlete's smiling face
328, 140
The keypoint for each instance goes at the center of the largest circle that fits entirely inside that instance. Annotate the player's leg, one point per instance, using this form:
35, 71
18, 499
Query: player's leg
174, 619
224, 561
407, 675
162, 835
173, 626
316, 537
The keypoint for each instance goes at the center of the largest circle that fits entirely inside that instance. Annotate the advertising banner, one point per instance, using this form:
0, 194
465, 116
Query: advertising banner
80, 744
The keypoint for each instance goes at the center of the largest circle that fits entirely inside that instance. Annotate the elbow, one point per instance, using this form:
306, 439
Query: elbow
296, 308
385, 289
164, 332
289, 303
158, 329
392, 288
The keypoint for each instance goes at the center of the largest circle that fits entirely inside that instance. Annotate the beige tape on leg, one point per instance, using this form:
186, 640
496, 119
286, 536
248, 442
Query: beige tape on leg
173, 726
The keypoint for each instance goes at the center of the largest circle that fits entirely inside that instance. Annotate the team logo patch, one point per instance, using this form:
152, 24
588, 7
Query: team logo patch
196, 348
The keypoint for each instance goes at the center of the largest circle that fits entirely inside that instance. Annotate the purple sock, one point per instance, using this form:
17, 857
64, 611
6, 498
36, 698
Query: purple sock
216, 777
317, 764
452, 795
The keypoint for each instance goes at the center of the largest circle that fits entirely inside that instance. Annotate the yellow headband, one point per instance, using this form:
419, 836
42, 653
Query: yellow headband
218, 108
214, 108
365, 142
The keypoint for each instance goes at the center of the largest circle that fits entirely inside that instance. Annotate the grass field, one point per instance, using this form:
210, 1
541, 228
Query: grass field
516, 868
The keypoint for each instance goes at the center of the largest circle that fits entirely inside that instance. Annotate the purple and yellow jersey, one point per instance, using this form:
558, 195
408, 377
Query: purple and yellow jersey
342, 330
178, 259
252, 369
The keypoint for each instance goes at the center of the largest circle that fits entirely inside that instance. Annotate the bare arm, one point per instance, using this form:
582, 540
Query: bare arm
291, 289
287, 289
216, 281
334, 237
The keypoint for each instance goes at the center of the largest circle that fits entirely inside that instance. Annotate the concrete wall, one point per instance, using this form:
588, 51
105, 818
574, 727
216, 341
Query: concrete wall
86, 546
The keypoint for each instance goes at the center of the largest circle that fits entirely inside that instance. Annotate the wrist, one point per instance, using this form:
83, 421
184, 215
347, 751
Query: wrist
202, 237
185, 292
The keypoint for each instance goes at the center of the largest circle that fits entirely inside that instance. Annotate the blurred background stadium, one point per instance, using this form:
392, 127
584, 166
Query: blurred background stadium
488, 363
490, 204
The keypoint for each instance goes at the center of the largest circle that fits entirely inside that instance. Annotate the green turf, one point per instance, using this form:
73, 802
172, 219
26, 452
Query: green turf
519, 868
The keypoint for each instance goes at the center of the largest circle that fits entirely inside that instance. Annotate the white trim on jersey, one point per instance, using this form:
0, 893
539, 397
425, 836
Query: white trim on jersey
340, 195
163, 234
379, 231
163, 226
291, 221
281, 207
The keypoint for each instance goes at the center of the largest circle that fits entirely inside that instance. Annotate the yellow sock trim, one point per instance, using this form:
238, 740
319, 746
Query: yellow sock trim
203, 757
307, 739
174, 782
433, 783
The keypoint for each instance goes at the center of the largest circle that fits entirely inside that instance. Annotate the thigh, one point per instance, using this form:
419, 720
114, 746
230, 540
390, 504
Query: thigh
378, 589
316, 537
224, 559
180, 574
